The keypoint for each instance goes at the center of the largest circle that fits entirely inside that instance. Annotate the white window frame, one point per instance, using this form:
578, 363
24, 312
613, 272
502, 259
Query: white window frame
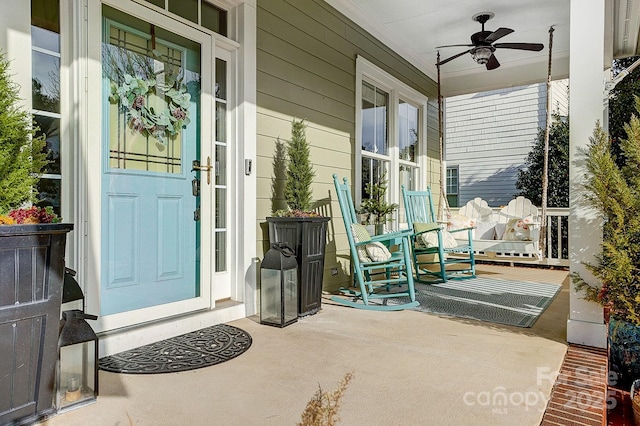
397, 90
446, 182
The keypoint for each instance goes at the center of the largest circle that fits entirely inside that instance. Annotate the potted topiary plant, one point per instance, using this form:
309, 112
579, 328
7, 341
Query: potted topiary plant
612, 186
31, 264
302, 229
374, 209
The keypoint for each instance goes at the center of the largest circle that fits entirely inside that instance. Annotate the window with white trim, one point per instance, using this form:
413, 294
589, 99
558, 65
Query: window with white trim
45, 90
453, 185
390, 122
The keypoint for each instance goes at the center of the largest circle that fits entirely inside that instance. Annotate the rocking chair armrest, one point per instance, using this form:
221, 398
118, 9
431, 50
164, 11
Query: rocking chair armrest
435, 227
390, 236
461, 229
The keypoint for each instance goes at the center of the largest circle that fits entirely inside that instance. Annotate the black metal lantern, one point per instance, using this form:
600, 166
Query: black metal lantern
279, 286
78, 364
72, 296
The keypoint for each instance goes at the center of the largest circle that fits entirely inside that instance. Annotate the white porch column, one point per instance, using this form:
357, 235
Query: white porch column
586, 87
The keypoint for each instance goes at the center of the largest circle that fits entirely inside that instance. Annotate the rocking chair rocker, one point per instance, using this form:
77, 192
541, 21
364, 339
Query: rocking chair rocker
376, 269
429, 238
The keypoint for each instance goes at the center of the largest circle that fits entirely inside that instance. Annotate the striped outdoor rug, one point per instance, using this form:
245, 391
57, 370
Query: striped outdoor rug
516, 303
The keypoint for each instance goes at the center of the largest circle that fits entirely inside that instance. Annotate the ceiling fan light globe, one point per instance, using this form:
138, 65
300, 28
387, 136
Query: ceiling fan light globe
481, 55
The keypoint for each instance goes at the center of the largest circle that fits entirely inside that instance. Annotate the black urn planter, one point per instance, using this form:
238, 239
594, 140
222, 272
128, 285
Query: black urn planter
307, 237
31, 279
624, 352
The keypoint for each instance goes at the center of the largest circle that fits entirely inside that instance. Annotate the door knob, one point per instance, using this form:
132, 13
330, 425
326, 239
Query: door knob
207, 168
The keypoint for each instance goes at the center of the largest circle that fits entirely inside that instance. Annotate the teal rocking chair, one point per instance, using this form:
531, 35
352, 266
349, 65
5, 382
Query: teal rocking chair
431, 244
380, 275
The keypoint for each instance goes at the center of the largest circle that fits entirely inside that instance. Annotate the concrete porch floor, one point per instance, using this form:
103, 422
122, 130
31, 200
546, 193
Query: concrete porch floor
409, 368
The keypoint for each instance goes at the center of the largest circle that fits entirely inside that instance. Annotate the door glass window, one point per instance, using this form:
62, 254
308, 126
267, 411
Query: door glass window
153, 89
221, 165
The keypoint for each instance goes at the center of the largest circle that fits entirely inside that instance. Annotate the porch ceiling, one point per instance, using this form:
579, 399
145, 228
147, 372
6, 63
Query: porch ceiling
414, 28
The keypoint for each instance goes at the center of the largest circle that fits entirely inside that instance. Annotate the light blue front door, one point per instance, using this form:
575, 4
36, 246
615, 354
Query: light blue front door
151, 135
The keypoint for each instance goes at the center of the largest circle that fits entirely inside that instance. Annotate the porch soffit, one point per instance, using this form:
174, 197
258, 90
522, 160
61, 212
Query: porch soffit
415, 29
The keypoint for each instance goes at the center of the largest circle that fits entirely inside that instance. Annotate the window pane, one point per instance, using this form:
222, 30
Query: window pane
188, 9
45, 39
221, 251
221, 79
375, 119
46, 14
408, 131
221, 208
221, 122
159, 3
372, 172
408, 176
50, 127
214, 18
49, 194
452, 180
221, 165
45, 82
147, 128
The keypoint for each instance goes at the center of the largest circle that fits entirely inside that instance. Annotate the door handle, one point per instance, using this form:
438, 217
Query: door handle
207, 168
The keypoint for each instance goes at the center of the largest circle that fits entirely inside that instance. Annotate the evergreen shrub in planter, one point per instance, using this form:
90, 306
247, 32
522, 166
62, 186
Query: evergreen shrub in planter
375, 209
31, 268
614, 190
303, 230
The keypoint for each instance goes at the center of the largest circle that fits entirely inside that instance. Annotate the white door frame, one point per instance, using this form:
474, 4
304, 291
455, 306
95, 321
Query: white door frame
94, 168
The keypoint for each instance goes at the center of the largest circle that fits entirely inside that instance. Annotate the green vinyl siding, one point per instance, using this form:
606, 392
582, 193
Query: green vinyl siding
306, 69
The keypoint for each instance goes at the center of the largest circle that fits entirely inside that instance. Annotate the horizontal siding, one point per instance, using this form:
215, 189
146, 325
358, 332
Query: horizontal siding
489, 135
560, 97
306, 60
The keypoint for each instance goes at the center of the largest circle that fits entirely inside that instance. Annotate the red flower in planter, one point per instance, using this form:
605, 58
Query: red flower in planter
30, 215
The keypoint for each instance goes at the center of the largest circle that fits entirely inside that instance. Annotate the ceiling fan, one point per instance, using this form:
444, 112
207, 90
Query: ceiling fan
483, 44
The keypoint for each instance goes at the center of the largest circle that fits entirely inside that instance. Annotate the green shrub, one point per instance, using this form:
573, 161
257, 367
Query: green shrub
300, 174
374, 208
22, 158
614, 190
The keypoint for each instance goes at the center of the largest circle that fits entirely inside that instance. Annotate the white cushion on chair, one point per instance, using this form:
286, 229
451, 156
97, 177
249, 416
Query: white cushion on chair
374, 251
430, 239
361, 234
378, 252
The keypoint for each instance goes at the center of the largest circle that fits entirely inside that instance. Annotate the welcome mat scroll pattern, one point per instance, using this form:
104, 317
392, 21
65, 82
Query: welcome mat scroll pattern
201, 348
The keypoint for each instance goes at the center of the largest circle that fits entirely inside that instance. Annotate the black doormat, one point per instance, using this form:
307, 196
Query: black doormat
201, 348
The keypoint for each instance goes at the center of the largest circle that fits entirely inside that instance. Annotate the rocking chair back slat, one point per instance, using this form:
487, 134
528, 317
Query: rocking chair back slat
430, 245
376, 279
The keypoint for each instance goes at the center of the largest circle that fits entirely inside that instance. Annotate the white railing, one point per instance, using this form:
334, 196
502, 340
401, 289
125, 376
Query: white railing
557, 243
556, 247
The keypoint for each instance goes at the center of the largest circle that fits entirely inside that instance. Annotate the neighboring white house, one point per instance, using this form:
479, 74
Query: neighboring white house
488, 136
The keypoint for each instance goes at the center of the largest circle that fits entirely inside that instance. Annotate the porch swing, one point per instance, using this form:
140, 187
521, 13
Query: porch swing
515, 233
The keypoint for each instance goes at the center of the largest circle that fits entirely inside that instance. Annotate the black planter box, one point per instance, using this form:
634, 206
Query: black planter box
31, 278
307, 236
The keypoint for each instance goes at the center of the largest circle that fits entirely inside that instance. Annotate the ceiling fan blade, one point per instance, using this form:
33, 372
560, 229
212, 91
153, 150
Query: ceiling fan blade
536, 47
455, 45
444, 61
492, 63
498, 34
